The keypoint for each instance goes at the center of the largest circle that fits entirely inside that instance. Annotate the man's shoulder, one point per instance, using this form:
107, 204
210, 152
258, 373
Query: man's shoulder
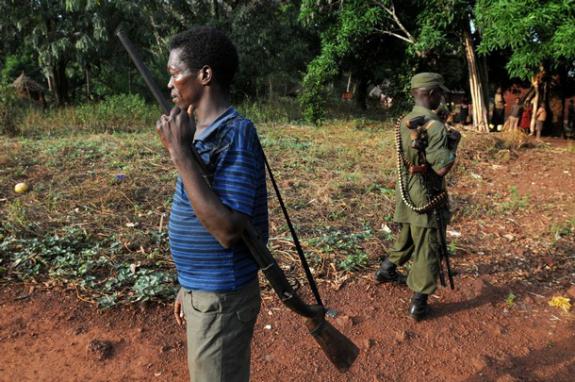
239, 125
237, 129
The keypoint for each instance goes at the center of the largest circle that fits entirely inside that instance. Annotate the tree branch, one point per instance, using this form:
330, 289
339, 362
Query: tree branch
395, 35
391, 11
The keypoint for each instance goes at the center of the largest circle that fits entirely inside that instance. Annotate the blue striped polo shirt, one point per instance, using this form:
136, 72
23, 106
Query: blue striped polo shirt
231, 150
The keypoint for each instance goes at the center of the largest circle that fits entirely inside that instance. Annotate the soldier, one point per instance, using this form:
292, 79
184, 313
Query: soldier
418, 238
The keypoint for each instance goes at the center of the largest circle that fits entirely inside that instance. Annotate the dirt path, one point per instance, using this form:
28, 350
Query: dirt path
472, 336
478, 332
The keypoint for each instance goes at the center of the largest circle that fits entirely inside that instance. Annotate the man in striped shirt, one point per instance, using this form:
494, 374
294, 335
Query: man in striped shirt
219, 299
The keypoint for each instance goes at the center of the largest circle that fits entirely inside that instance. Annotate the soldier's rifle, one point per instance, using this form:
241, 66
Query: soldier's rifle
338, 348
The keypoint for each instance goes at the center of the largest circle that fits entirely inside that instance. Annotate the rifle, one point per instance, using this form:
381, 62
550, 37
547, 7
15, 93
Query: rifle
419, 142
338, 348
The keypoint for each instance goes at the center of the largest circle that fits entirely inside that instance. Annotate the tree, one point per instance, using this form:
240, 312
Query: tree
344, 28
60, 32
273, 47
432, 31
539, 35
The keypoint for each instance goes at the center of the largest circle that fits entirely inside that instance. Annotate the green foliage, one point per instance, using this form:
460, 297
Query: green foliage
565, 229
382, 42
510, 299
123, 112
516, 201
354, 21
354, 262
334, 240
120, 113
276, 110
535, 32
14, 64
452, 247
72, 258
273, 47
11, 111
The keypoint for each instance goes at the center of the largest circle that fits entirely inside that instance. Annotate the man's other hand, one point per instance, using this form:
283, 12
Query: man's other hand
179, 307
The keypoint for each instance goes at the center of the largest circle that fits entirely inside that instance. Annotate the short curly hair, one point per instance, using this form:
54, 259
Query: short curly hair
209, 46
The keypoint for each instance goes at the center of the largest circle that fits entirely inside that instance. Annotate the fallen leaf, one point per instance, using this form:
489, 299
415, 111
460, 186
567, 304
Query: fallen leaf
563, 303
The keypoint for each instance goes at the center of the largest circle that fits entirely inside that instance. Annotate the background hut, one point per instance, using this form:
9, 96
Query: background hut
29, 89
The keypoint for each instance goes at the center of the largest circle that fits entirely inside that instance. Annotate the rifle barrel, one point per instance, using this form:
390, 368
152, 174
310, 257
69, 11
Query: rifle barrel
152, 85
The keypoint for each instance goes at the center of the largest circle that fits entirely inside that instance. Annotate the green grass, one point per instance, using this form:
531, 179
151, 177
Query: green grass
510, 299
563, 229
515, 202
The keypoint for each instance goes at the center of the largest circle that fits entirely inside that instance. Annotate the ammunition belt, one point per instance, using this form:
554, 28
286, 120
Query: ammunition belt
403, 162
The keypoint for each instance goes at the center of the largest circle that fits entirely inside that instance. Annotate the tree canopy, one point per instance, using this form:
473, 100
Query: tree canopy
289, 47
535, 33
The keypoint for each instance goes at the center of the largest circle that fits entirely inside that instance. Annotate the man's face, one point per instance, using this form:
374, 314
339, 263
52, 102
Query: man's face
185, 88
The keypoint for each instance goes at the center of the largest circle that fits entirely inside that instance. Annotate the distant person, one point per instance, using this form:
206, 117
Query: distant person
540, 118
498, 116
525, 123
219, 299
514, 116
418, 238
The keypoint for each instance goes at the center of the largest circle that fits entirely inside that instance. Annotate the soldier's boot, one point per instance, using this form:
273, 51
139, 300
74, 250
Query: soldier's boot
418, 309
387, 273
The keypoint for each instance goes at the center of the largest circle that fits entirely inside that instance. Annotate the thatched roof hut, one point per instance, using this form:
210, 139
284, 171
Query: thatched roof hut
25, 86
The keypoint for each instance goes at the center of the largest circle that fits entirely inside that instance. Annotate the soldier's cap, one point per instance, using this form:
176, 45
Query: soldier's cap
428, 80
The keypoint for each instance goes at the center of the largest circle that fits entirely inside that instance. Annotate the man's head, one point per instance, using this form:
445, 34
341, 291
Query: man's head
201, 57
517, 100
428, 89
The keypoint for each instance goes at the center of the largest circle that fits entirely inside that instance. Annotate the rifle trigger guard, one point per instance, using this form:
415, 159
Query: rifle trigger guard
287, 296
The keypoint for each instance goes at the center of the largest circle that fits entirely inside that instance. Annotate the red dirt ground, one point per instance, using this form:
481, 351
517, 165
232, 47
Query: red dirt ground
472, 335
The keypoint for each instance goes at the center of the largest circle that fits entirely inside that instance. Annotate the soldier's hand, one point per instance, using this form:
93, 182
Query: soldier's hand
453, 138
179, 307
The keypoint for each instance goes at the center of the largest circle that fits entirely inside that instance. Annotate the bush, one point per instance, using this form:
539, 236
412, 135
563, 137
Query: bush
120, 113
10, 111
279, 110
124, 112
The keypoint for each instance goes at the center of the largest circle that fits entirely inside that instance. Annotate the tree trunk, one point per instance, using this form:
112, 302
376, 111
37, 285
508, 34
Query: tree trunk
361, 94
215, 9
270, 88
87, 82
485, 81
535, 83
60, 83
480, 121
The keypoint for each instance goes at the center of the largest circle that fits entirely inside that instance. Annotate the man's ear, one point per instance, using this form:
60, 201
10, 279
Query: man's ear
206, 75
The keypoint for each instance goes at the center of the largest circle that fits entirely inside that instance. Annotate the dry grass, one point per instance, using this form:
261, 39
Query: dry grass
338, 181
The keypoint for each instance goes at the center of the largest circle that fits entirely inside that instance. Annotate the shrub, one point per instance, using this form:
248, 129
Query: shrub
124, 112
10, 111
279, 110
119, 113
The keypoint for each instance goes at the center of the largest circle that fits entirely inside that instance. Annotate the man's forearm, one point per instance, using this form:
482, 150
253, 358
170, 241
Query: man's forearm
224, 224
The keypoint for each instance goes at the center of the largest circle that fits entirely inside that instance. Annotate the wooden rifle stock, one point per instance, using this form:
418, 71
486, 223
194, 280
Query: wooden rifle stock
338, 348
